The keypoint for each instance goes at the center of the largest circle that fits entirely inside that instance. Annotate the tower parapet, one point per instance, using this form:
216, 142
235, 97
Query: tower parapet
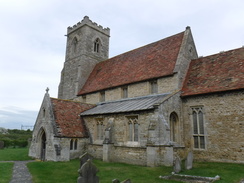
88, 22
87, 45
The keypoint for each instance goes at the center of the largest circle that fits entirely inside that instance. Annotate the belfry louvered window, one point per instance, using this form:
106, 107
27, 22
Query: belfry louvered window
97, 45
198, 128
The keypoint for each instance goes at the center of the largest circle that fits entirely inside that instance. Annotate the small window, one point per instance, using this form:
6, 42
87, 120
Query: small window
75, 145
174, 127
84, 98
71, 144
97, 45
133, 129
99, 129
74, 45
153, 87
198, 128
43, 112
125, 92
102, 96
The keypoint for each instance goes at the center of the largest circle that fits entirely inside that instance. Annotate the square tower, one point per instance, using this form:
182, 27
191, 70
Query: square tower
87, 45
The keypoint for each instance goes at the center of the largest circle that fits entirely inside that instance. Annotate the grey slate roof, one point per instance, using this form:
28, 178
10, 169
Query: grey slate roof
126, 105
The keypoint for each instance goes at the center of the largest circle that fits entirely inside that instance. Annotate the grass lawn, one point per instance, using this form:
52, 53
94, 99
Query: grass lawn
14, 154
229, 173
44, 172
6, 172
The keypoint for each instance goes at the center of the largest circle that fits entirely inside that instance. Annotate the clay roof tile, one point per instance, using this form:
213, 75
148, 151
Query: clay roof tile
215, 73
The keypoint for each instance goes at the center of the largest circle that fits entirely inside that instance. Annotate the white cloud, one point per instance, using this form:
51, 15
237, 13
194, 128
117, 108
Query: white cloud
33, 42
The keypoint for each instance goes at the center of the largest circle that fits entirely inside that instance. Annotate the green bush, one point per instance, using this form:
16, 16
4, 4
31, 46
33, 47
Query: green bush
16, 138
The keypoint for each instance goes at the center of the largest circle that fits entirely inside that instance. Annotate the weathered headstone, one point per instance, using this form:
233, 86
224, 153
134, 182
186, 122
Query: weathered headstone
1, 144
88, 173
84, 158
177, 165
189, 161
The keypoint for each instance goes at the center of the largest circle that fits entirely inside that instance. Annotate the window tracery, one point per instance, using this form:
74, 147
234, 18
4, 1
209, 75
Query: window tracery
97, 45
198, 128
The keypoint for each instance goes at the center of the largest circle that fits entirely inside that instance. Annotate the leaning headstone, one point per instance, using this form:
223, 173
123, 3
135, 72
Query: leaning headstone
84, 158
88, 173
189, 161
1, 144
177, 165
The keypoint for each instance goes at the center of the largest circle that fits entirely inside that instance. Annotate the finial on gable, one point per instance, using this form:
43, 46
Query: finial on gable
47, 90
188, 27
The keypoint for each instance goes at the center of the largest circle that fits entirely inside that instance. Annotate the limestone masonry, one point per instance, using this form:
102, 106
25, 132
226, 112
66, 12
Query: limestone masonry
149, 106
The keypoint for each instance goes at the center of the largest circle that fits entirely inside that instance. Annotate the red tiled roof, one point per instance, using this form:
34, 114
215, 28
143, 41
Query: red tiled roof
67, 118
151, 61
215, 73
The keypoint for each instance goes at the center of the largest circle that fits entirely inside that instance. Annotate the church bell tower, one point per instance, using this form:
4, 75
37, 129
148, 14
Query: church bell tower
87, 45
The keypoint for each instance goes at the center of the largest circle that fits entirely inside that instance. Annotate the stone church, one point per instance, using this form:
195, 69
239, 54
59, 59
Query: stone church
146, 106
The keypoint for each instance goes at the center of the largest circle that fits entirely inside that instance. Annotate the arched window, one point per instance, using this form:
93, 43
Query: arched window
97, 45
74, 45
76, 142
133, 128
71, 144
198, 127
174, 127
43, 112
100, 129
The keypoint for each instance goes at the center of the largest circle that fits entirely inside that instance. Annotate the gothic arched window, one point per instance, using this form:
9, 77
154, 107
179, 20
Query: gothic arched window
74, 45
198, 127
97, 45
174, 127
71, 144
75, 145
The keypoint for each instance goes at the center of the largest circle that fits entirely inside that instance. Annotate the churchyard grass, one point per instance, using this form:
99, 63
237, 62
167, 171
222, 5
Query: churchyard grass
229, 173
50, 172
6, 172
14, 154
67, 172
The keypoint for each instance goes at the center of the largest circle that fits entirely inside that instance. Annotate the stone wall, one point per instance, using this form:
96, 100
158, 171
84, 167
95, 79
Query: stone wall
224, 126
80, 55
122, 150
165, 85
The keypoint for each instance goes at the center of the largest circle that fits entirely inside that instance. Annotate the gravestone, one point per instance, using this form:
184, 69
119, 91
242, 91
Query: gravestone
1, 144
84, 158
177, 165
117, 181
189, 161
88, 173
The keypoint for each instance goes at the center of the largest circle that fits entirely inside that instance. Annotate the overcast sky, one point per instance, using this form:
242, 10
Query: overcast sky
32, 44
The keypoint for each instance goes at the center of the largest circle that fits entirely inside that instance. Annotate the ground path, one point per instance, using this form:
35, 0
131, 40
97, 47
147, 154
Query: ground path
21, 173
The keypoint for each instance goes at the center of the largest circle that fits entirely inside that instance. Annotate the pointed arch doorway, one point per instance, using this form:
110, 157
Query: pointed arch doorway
43, 145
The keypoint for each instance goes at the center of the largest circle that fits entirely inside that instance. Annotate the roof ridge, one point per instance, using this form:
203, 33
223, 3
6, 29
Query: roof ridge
221, 52
154, 42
